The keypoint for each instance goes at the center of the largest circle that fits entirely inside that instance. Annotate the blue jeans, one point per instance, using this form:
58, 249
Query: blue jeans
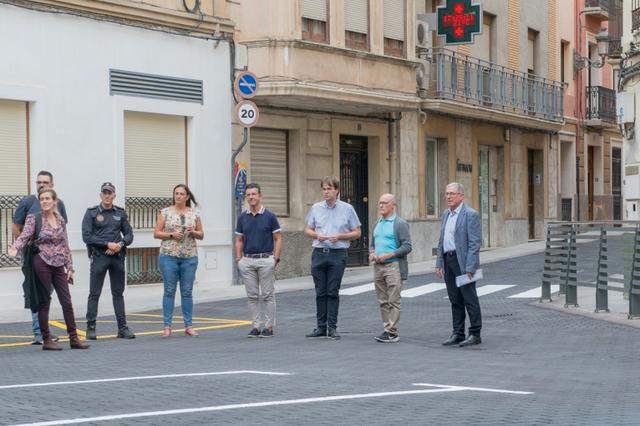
174, 270
35, 325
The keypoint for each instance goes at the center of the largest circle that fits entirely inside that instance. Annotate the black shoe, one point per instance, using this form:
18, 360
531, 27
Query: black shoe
91, 332
454, 339
333, 334
37, 339
471, 340
254, 333
125, 333
266, 332
387, 337
318, 332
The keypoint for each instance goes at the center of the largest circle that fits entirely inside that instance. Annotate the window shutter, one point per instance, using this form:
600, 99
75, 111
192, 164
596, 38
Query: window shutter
314, 9
394, 19
14, 173
269, 168
154, 153
356, 16
530, 54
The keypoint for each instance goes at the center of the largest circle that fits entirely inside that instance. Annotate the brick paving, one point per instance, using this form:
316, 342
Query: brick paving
580, 369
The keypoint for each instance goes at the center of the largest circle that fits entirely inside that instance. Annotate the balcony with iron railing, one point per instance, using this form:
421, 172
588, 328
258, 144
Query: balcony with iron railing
470, 81
597, 8
601, 106
635, 15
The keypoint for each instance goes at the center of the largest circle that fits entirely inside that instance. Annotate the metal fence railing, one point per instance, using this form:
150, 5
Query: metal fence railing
463, 78
8, 204
604, 256
601, 104
142, 266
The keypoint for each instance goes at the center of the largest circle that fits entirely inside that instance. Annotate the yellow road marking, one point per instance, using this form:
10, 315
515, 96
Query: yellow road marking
220, 323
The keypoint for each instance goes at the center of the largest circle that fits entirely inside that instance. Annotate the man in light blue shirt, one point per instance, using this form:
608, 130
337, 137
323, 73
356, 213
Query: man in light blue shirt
332, 224
390, 245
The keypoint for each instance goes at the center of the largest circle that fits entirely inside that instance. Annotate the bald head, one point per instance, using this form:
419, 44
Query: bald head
387, 205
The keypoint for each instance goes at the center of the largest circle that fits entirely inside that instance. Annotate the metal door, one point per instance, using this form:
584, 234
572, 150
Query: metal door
354, 182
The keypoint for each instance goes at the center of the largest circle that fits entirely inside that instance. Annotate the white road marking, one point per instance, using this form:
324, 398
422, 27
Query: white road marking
356, 289
617, 276
474, 389
441, 389
492, 288
423, 289
534, 293
126, 379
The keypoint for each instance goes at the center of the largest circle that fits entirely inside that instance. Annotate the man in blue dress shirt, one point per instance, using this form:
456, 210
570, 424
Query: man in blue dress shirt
332, 224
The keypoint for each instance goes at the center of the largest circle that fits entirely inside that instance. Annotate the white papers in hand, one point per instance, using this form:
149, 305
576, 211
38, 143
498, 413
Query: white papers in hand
464, 279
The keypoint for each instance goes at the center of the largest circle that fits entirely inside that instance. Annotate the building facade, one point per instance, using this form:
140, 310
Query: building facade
134, 93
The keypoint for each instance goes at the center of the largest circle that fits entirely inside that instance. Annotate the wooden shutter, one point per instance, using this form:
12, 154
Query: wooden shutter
394, 19
356, 16
154, 154
314, 9
269, 168
14, 172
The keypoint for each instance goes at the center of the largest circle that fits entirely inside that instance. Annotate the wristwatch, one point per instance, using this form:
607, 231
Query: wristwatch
171, 236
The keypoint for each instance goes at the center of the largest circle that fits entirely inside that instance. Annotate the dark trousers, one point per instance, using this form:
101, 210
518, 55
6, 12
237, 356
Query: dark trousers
327, 269
54, 277
100, 264
461, 298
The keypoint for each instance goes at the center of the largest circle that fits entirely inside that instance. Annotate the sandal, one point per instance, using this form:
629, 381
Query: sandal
166, 332
189, 331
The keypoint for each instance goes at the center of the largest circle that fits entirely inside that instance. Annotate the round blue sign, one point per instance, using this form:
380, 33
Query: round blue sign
247, 85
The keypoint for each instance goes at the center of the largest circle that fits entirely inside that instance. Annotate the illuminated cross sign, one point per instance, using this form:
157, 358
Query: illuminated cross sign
459, 21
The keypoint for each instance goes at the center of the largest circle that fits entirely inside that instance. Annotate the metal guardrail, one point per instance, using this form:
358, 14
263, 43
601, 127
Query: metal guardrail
454, 76
618, 247
8, 204
602, 4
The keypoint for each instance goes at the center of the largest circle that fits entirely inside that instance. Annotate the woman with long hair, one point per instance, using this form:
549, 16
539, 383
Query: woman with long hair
178, 227
46, 233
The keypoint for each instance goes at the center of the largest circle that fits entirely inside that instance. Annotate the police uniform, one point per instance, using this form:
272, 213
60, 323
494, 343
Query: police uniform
101, 226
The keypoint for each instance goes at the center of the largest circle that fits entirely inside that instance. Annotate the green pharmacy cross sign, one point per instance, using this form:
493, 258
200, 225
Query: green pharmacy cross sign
459, 21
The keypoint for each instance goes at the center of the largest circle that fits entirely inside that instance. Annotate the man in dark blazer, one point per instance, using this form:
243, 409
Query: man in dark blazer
459, 254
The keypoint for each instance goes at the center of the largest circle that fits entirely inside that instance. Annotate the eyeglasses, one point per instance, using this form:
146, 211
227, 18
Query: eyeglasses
450, 194
42, 182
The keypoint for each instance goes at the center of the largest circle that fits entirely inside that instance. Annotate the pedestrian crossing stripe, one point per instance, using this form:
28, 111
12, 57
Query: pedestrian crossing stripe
534, 293
356, 289
484, 290
423, 289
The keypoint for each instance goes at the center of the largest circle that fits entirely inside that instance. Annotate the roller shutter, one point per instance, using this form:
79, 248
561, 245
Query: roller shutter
269, 168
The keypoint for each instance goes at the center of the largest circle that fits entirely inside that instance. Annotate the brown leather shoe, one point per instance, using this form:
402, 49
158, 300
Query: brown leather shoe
76, 343
49, 345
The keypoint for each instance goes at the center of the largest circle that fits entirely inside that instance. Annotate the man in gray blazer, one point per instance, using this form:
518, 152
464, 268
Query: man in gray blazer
458, 254
390, 245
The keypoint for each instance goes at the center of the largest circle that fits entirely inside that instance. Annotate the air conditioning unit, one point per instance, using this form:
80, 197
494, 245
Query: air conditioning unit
423, 34
422, 75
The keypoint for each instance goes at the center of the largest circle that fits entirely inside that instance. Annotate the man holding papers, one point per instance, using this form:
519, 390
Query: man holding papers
459, 255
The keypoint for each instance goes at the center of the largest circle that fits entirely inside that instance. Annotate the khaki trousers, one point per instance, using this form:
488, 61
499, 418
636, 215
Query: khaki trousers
258, 276
388, 284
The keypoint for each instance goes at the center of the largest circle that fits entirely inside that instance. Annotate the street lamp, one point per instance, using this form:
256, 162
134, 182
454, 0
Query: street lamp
582, 62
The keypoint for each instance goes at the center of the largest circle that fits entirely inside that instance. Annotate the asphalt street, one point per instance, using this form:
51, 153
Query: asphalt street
535, 366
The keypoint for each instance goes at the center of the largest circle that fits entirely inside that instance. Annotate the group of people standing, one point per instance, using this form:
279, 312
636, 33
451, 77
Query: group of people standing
39, 227
332, 224
40, 232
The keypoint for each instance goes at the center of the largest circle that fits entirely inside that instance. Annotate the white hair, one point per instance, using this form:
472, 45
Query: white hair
458, 186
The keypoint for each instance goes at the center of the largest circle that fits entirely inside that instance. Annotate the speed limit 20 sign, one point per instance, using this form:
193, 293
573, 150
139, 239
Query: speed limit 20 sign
247, 113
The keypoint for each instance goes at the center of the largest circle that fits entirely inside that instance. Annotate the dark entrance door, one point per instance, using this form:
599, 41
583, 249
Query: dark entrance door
531, 194
354, 182
616, 182
591, 181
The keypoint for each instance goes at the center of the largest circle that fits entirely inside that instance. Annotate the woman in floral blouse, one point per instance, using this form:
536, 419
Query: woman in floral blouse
179, 226
52, 264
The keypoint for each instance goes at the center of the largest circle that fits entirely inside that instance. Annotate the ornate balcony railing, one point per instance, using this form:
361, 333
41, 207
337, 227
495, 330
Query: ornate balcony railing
602, 4
143, 211
8, 204
463, 78
635, 15
142, 266
601, 104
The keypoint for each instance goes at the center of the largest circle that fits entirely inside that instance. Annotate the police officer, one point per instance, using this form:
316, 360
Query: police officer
106, 232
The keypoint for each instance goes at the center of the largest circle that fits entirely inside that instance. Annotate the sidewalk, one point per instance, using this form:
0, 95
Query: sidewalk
148, 297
